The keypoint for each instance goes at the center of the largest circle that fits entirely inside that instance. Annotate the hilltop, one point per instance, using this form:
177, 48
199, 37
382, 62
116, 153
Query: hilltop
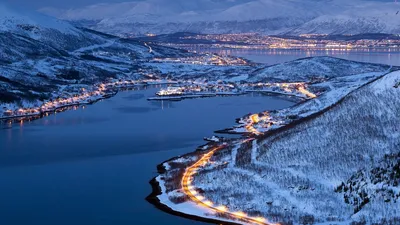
341, 166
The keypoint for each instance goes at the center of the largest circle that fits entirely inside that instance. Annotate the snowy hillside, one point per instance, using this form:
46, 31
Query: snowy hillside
40, 55
224, 16
340, 167
313, 69
380, 182
9, 18
309, 69
367, 17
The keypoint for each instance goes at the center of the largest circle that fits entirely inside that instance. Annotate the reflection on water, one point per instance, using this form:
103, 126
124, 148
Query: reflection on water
71, 121
274, 56
163, 104
133, 109
134, 97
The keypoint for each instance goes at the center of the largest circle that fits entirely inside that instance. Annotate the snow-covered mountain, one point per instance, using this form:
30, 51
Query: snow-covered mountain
330, 160
340, 167
315, 68
234, 16
39, 55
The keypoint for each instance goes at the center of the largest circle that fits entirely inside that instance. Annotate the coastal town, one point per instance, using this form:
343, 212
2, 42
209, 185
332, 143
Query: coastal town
220, 88
172, 90
205, 59
83, 94
303, 41
73, 96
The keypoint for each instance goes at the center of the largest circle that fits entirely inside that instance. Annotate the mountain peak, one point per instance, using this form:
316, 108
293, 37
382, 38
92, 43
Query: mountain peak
19, 20
238, 16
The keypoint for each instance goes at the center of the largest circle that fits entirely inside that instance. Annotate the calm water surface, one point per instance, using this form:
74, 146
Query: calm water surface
274, 56
93, 165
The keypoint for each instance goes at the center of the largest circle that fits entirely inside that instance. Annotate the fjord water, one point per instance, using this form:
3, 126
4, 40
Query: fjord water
93, 165
275, 56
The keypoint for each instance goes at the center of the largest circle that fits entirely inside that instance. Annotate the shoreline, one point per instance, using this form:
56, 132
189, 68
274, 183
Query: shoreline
153, 199
262, 48
156, 186
285, 96
183, 97
42, 114
109, 92
104, 91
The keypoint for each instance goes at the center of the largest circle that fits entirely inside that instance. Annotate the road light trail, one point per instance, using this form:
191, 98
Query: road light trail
187, 177
200, 200
150, 49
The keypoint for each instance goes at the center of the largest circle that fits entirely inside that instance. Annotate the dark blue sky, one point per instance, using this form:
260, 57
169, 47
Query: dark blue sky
36, 4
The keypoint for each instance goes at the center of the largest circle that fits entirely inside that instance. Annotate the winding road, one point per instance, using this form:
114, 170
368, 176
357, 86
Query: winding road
197, 198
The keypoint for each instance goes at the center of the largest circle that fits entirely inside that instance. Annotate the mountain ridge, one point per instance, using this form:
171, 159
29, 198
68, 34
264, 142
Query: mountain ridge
260, 16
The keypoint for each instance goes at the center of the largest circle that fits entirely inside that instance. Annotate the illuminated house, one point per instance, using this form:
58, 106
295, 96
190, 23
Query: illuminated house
170, 91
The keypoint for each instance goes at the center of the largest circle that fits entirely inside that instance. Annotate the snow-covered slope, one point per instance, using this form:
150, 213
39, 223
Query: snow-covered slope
225, 16
368, 17
313, 69
307, 69
9, 17
355, 135
39, 54
379, 182
338, 168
